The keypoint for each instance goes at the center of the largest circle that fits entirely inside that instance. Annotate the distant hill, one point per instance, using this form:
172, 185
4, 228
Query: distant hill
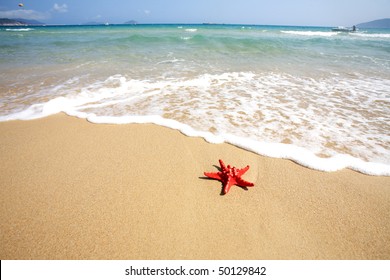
380, 23
29, 21
93, 23
131, 22
18, 22
10, 22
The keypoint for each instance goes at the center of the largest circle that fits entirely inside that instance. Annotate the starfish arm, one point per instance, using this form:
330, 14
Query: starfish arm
227, 186
213, 175
222, 164
242, 171
241, 182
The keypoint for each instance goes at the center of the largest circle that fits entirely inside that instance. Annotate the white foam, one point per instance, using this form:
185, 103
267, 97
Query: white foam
19, 29
310, 33
306, 158
174, 60
191, 29
330, 34
371, 35
158, 120
252, 111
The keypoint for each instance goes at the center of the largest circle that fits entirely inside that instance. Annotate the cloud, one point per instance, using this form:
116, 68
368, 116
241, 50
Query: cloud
25, 14
60, 8
147, 12
32, 14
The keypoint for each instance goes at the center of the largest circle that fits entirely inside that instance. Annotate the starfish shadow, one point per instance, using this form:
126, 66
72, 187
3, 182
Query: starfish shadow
219, 168
221, 194
206, 178
244, 188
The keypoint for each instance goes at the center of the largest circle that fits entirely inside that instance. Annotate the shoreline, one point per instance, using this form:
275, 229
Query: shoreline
75, 190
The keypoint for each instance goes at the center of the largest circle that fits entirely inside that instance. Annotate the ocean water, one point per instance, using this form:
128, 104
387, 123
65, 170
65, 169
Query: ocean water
319, 98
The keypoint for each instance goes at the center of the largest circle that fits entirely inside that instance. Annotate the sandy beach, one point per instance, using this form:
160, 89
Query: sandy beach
70, 189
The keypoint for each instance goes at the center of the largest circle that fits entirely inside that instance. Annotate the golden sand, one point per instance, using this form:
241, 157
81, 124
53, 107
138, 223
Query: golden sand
70, 189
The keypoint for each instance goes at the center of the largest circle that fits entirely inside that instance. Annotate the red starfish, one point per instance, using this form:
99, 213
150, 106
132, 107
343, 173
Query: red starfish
229, 176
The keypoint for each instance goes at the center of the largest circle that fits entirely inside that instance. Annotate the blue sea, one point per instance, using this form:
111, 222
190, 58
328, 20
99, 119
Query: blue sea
317, 97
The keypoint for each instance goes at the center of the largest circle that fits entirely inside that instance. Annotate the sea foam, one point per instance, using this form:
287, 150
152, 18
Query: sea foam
371, 35
240, 109
19, 29
310, 33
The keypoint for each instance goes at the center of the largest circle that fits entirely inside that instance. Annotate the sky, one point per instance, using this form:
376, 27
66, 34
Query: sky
268, 12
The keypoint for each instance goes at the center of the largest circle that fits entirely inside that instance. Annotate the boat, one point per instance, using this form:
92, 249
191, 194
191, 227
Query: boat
344, 29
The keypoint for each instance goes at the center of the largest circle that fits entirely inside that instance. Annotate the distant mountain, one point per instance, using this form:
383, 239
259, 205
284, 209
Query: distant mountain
131, 22
93, 23
29, 21
380, 23
10, 22
18, 22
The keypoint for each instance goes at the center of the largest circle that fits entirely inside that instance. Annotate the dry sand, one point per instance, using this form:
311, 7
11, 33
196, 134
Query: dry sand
70, 189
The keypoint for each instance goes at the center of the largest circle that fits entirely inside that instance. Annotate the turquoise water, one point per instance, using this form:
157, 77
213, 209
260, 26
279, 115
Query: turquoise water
318, 97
